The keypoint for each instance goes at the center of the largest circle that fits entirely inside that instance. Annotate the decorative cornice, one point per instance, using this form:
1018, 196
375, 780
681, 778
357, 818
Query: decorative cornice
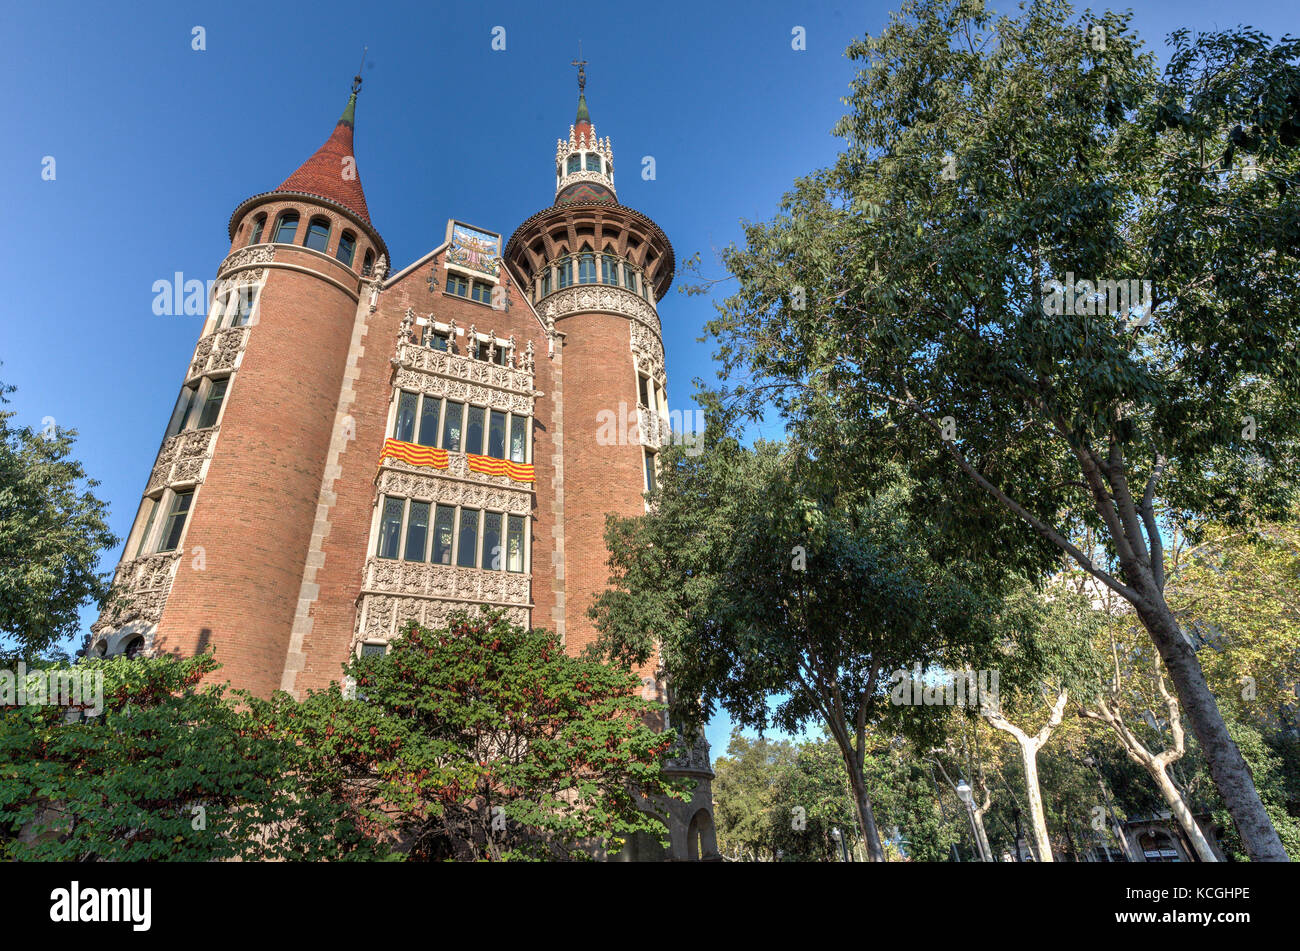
381, 617
599, 298
455, 485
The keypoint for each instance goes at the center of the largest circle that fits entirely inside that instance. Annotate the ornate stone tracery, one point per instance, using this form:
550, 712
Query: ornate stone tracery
600, 298
217, 352
139, 591
181, 458
459, 486
242, 257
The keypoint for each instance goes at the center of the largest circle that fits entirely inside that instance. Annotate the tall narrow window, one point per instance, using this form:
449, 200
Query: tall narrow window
417, 531
586, 268
347, 247
390, 528
474, 429
259, 224
629, 278
497, 435
515, 543
493, 554
175, 525
444, 533
645, 390
429, 413
368, 264
649, 471
286, 228
575, 163
318, 234
152, 505
240, 308
519, 438
546, 280
452, 424
467, 544
609, 269
212, 405
182, 411
564, 273
404, 425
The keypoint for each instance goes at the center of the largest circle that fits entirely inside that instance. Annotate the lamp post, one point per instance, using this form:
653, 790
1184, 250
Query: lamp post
839, 837
964, 794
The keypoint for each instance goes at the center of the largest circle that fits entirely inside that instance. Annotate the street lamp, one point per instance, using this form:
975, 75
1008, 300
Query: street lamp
964, 794
844, 849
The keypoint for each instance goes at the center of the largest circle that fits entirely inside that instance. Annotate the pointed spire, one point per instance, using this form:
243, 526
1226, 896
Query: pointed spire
332, 171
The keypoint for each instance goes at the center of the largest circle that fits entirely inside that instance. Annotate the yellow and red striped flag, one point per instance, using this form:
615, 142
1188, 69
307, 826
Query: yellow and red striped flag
519, 471
415, 455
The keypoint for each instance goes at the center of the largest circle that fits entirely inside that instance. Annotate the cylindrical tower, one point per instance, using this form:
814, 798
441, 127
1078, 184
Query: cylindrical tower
595, 270
216, 554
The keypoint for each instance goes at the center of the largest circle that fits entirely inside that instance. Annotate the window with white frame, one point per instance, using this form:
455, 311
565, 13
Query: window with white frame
459, 427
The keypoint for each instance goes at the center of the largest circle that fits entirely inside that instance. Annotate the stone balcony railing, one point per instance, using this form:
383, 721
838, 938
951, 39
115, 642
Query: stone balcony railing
217, 351
692, 758
139, 590
455, 485
447, 582
181, 459
599, 298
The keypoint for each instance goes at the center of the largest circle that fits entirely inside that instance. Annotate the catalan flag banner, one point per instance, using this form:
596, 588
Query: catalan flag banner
413, 454
519, 471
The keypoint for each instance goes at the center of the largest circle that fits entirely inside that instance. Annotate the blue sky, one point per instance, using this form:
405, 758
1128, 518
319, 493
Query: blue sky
156, 143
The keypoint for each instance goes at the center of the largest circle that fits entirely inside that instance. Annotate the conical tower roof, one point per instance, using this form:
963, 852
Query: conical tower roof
332, 171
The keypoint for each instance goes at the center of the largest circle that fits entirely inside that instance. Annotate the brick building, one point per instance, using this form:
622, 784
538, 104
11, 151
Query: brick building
356, 445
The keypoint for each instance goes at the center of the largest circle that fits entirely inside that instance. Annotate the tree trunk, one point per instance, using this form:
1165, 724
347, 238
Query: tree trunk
1229, 769
866, 817
1178, 806
982, 835
1037, 818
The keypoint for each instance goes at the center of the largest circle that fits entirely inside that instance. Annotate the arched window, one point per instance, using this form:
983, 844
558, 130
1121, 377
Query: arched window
564, 270
286, 227
593, 162
368, 263
586, 268
347, 247
259, 223
609, 269
575, 163
318, 234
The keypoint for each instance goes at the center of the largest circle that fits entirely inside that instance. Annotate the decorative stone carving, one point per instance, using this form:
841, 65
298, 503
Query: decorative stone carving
649, 352
654, 429
139, 591
474, 489
585, 176
381, 617
691, 757
181, 458
242, 257
218, 351
447, 582
601, 298
465, 392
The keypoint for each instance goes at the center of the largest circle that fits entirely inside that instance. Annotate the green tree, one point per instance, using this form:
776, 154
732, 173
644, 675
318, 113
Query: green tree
52, 531
783, 597
168, 771
485, 741
908, 304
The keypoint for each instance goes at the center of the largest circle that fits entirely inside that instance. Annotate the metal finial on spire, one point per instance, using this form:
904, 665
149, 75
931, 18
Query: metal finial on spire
356, 80
582, 70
